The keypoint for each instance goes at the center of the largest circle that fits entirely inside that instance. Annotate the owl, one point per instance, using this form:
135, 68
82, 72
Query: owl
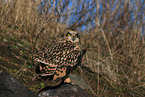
59, 60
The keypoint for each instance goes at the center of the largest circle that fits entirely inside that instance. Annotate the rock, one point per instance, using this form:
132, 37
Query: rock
10, 87
78, 80
63, 90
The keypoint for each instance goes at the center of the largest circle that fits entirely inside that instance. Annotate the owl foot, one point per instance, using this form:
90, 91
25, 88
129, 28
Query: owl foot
67, 80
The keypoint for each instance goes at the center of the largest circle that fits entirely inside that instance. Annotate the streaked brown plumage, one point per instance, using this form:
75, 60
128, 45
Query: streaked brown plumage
57, 61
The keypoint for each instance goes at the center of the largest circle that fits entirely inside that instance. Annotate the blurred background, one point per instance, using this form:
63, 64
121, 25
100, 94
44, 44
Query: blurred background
114, 30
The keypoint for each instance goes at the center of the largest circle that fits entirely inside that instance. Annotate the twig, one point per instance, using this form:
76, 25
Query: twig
20, 68
140, 95
4, 67
24, 80
138, 86
106, 42
20, 74
18, 57
98, 72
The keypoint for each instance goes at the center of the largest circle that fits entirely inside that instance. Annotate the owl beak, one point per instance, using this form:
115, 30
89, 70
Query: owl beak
73, 38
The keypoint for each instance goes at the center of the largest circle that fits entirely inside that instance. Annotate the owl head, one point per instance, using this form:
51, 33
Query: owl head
72, 36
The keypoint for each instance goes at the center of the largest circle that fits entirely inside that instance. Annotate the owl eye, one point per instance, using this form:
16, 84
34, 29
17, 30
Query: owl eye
77, 35
68, 34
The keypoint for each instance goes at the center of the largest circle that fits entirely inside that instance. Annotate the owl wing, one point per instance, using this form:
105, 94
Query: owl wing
63, 54
56, 59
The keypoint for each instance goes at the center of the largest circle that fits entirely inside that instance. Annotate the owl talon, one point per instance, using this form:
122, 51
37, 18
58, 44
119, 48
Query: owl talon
67, 80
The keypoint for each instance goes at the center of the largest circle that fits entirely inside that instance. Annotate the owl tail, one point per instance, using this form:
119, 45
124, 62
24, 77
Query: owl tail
51, 72
45, 72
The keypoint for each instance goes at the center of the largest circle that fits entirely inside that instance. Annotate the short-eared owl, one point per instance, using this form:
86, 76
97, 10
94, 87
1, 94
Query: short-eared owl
57, 61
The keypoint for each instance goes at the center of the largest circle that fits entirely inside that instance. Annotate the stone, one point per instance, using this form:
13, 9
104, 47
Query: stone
10, 87
63, 90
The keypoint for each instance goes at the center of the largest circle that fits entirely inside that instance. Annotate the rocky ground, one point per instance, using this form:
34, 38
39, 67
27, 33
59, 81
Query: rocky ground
10, 87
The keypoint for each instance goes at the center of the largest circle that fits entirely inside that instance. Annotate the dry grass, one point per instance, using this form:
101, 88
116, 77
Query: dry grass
114, 62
